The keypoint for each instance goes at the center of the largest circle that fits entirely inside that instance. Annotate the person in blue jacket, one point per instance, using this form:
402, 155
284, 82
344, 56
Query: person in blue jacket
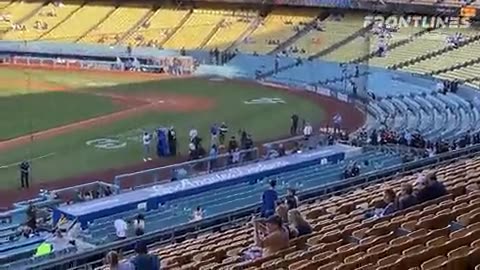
269, 200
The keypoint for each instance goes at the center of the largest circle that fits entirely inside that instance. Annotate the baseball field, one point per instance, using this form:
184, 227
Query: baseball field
76, 124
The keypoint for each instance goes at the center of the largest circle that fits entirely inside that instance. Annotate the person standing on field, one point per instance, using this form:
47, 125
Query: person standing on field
172, 141
294, 126
222, 133
25, 174
147, 139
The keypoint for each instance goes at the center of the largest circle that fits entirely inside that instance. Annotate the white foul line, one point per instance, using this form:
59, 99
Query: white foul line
31, 159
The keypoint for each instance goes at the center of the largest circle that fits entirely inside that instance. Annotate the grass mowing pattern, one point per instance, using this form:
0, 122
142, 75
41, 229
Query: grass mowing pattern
73, 157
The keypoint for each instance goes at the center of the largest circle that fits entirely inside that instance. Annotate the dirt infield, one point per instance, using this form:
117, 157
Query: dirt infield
352, 120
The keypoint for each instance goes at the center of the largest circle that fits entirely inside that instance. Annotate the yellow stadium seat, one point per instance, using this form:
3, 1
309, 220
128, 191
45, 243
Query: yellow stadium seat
44, 20
80, 22
116, 25
194, 33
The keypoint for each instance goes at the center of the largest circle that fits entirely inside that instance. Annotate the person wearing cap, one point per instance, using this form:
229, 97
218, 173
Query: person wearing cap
143, 260
272, 236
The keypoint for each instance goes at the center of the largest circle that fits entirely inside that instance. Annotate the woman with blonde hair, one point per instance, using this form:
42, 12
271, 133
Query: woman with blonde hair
296, 220
113, 261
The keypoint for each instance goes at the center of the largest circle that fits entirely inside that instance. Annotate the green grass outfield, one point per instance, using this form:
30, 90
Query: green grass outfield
26, 109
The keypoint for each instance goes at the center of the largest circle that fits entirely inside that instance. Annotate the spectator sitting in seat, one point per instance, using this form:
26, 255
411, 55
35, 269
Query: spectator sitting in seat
352, 170
296, 220
59, 242
113, 261
291, 200
430, 188
197, 214
407, 199
143, 260
269, 198
282, 211
26, 232
390, 199
271, 236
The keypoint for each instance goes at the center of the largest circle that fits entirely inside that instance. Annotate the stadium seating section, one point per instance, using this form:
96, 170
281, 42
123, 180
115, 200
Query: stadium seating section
231, 30
333, 29
442, 232
18, 10
116, 25
207, 28
79, 23
427, 114
196, 30
44, 20
428, 42
157, 28
278, 26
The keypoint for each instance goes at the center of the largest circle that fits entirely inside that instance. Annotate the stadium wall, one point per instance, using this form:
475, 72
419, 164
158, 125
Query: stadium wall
80, 57
153, 196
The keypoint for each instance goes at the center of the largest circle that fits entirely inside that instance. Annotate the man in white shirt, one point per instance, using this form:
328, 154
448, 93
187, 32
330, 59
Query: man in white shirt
121, 228
307, 131
193, 133
147, 139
